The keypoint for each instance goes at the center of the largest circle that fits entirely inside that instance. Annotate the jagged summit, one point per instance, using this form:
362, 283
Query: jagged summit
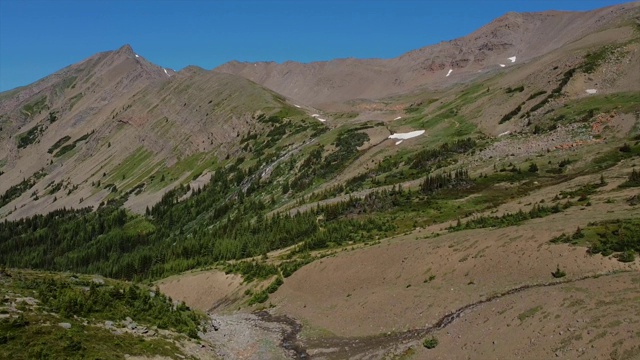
126, 49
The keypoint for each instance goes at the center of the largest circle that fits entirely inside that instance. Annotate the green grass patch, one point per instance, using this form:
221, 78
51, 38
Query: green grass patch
74, 100
130, 165
529, 313
614, 156
594, 59
139, 226
35, 107
624, 102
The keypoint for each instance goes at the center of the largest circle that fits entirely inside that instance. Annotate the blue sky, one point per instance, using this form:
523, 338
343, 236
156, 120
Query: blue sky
38, 38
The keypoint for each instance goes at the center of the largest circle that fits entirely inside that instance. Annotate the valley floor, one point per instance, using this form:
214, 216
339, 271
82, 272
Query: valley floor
484, 293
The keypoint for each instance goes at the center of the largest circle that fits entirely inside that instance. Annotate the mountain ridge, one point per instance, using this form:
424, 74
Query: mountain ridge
321, 83
367, 226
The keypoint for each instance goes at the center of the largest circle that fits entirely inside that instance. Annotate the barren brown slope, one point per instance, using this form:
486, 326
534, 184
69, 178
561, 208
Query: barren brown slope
125, 122
75, 98
525, 36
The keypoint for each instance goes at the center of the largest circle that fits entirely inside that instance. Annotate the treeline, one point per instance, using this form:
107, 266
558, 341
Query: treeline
456, 179
509, 219
425, 159
217, 223
315, 166
375, 201
420, 163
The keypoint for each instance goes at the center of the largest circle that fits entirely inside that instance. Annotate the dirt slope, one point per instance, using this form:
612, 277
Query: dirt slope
524, 36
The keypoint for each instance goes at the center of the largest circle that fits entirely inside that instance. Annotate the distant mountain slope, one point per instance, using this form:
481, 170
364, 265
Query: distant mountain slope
524, 36
119, 121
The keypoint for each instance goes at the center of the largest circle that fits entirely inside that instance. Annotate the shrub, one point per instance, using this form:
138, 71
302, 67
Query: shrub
430, 343
558, 273
259, 297
625, 148
626, 256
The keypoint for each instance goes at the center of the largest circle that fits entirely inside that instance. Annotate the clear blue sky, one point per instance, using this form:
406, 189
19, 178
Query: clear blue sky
38, 38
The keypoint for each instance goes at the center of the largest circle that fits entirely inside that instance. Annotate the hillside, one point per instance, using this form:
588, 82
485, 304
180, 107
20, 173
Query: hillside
115, 125
486, 214
509, 40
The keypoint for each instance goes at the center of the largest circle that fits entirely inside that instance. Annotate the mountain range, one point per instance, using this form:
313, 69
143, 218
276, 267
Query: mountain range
476, 197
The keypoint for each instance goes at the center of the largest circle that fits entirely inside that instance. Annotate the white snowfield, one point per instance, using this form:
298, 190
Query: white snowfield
502, 65
504, 133
399, 142
317, 116
398, 118
165, 71
137, 55
405, 136
591, 91
449, 73
298, 106
513, 59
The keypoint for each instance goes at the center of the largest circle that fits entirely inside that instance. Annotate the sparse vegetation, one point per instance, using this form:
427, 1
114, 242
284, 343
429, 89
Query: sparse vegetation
35, 107
609, 237
508, 116
529, 313
30, 136
66, 148
633, 180
16, 190
594, 59
509, 219
58, 143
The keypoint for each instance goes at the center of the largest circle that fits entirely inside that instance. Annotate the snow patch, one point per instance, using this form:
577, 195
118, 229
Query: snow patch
321, 119
399, 142
591, 91
513, 59
398, 118
502, 65
504, 133
298, 106
137, 55
314, 115
405, 136
449, 73
165, 71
